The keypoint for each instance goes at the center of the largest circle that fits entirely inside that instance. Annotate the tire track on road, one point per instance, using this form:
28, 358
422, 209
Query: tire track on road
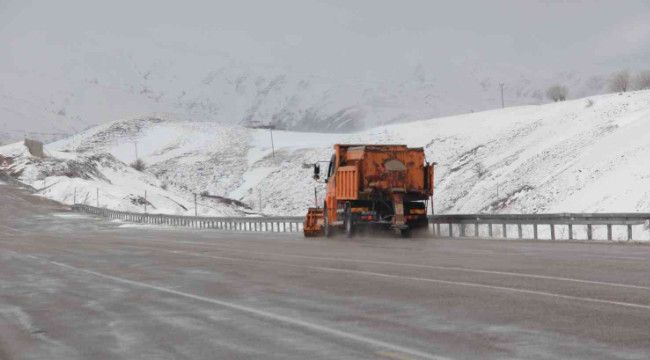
419, 279
422, 266
249, 310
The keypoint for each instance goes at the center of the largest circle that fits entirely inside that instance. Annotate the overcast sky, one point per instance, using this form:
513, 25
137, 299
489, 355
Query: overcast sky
345, 38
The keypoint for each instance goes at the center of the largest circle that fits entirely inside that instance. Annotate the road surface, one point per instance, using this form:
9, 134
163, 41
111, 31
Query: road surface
79, 287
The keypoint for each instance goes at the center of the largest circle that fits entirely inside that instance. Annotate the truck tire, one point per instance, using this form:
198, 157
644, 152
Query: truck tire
327, 229
347, 221
405, 233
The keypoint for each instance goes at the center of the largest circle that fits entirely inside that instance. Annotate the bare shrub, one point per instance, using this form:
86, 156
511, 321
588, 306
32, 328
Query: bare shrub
139, 165
589, 103
557, 93
642, 80
620, 81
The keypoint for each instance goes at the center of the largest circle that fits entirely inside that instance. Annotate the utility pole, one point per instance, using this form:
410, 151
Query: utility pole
196, 211
502, 102
272, 145
75, 196
259, 198
135, 143
315, 196
433, 187
145, 201
97, 197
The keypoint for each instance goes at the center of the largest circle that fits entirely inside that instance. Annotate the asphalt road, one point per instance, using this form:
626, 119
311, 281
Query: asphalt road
78, 287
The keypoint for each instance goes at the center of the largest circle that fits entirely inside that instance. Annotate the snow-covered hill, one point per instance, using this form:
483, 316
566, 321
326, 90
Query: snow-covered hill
580, 155
99, 179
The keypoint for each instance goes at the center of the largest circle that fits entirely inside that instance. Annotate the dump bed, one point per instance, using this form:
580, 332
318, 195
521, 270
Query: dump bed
395, 168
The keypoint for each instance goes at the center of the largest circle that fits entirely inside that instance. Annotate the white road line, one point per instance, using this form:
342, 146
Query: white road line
431, 280
451, 268
253, 311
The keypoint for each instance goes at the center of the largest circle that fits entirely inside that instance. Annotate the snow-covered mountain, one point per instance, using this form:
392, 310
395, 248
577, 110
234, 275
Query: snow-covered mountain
587, 154
98, 90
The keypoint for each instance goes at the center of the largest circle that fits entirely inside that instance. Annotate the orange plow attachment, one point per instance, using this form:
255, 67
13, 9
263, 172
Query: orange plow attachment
313, 225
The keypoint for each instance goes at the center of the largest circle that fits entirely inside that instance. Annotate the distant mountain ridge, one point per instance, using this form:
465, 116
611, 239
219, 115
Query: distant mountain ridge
244, 95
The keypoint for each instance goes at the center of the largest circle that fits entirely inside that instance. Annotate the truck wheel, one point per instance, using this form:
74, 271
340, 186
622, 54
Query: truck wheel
349, 226
405, 233
327, 230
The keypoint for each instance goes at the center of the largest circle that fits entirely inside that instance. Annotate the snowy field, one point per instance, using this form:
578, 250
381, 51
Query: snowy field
585, 155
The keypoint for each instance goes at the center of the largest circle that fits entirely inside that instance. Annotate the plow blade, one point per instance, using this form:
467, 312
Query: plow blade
313, 225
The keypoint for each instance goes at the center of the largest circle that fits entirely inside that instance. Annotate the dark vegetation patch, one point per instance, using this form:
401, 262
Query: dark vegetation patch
6, 161
138, 165
85, 168
465, 158
508, 199
139, 201
225, 200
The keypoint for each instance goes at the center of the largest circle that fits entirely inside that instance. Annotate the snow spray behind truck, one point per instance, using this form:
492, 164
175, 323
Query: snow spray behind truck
384, 186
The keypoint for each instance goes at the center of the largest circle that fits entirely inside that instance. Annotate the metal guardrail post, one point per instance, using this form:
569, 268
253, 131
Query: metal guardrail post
553, 232
609, 232
629, 232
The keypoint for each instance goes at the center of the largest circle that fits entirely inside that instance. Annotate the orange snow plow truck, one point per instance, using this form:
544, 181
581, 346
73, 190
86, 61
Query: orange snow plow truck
385, 186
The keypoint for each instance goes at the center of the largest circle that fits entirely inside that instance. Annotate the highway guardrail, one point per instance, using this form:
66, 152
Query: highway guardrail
563, 226
250, 223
